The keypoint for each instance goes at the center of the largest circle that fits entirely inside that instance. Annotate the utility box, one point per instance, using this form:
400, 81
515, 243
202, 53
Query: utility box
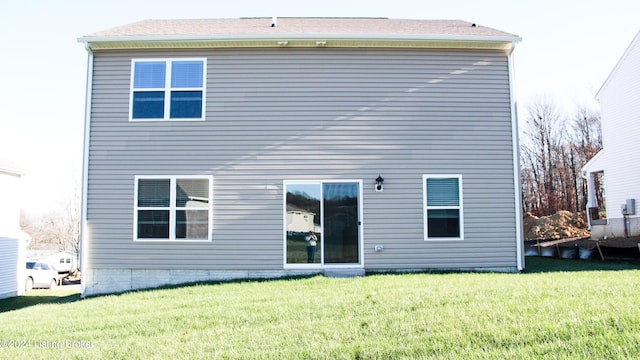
630, 207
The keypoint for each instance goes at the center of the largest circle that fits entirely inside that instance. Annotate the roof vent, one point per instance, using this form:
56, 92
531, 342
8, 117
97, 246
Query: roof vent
274, 21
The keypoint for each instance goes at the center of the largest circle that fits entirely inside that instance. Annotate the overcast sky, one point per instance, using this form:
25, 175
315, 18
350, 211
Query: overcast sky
568, 49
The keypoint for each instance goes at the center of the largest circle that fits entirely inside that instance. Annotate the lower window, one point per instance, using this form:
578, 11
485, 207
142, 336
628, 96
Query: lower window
172, 208
443, 216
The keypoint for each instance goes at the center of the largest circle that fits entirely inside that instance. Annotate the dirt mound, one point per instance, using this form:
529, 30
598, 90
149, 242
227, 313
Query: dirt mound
560, 225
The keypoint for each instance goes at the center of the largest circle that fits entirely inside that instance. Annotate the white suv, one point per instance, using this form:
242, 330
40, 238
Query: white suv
40, 275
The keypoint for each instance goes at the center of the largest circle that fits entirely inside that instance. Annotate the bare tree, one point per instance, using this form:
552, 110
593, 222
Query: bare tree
555, 148
586, 138
530, 180
59, 226
544, 131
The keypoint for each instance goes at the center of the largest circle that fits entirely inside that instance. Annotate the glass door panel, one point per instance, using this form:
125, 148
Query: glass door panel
341, 223
303, 245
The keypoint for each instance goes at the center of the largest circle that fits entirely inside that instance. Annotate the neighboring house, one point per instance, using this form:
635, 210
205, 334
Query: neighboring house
616, 164
301, 221
198, 132
13, 241
62, 261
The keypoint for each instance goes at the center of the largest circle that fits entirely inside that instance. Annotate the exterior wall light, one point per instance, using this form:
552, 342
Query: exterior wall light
379, 184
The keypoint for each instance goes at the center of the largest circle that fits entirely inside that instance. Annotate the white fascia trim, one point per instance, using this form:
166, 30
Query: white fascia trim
283, 37
10, 172
586, 169
618, 64
85, 171
13, 171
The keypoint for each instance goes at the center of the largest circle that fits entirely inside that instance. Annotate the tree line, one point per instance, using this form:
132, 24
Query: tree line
554, 147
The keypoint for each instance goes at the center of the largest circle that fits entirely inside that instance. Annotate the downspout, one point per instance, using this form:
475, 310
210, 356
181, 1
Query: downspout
84, 237
516, 162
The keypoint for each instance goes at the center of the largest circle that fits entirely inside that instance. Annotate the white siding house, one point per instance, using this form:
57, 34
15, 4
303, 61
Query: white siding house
301, 221
617, 163
212, 144
13, 241
62, 261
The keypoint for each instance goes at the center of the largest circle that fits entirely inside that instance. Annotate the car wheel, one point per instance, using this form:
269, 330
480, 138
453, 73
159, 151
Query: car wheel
28, 285
53, 284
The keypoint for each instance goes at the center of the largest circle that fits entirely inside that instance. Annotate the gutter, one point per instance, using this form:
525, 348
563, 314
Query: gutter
85, 171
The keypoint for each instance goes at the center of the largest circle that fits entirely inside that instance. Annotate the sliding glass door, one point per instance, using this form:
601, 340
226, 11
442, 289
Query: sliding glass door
322, 222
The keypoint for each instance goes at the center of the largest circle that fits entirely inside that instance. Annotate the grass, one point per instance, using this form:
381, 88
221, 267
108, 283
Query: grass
590, 311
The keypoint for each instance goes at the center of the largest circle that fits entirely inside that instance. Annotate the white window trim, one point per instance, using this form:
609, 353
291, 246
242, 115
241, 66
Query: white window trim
172, 208
167, 88
460, 206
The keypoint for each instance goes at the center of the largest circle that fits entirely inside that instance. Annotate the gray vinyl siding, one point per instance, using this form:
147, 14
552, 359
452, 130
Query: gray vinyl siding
311, 114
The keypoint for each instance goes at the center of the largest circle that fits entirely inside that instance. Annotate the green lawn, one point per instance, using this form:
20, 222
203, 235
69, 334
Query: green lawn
589, 311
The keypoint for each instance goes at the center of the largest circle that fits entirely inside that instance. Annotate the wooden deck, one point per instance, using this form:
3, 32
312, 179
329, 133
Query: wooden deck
543, 244
547, 243
587, 242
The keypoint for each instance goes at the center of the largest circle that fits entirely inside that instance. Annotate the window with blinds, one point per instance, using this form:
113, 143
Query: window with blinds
443, 218
173, 208
168, 89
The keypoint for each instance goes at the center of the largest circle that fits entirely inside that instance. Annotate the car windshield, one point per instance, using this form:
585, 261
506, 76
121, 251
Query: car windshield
30, 264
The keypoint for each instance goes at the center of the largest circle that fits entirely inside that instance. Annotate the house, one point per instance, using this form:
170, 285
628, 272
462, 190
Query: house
62, 261
399, 136
13, 241
302, 221
615, 166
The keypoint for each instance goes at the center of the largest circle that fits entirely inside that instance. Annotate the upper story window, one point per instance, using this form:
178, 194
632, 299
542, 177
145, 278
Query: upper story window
443, 215
168, 89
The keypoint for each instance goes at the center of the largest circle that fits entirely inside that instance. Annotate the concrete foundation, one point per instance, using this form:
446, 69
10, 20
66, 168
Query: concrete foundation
614, 228
108, 281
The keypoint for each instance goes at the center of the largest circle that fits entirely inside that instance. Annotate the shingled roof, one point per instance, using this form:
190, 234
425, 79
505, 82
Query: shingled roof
219, 32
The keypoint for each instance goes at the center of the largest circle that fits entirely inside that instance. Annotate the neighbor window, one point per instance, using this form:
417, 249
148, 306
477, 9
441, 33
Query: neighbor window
168, 89
443, 219
173, 208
